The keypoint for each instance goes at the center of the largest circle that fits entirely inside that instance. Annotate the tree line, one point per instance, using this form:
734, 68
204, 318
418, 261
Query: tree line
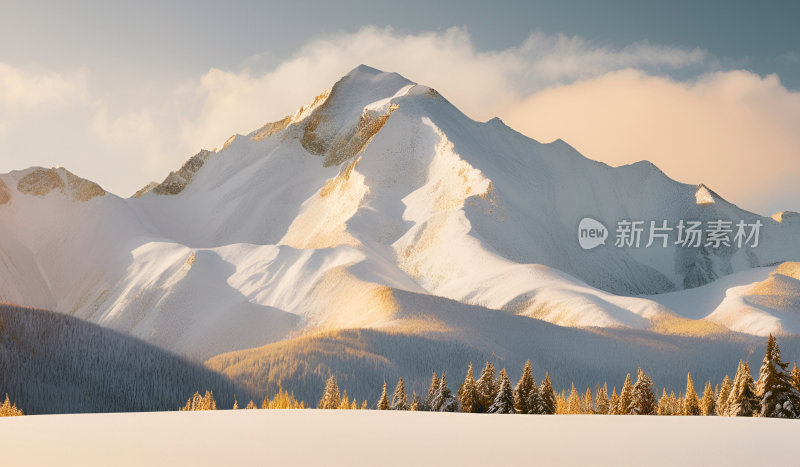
776, 393
281, 400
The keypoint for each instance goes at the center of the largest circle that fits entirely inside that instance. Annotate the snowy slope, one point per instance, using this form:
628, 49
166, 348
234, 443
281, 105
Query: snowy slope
377, 188
760, 301
281, 437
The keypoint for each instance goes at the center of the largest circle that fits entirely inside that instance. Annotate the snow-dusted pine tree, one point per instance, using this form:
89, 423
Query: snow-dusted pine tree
433, 389
330, 397
416, 403
486, 387
399, 398
443, 400
504, 400
743, 401
613, 403
643, 402
691, 403
777, 397
523, 389
468, 393
707, 403
587, 403
383, 402
547, 397
601, 400
722, 395
796, 377
663, 404
625, 397
573, 402
344, 404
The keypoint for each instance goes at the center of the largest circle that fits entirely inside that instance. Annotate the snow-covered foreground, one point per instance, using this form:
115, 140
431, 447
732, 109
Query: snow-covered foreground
316, 437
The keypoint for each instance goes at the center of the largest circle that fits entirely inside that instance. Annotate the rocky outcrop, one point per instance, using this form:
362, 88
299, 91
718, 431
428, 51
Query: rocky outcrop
176, 182
40, 182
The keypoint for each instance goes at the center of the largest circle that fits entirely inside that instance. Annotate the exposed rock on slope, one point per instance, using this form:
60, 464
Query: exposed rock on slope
177, 181
40, 182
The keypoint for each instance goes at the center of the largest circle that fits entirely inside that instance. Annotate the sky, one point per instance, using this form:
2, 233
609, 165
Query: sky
122, 93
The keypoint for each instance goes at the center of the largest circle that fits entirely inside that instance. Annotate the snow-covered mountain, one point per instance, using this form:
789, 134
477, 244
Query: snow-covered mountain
377, 191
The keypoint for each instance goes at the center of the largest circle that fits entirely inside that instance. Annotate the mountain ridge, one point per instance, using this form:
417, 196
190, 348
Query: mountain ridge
378, 188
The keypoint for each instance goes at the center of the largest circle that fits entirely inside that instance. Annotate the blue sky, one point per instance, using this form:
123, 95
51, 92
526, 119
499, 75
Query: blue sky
190, 36
128, 90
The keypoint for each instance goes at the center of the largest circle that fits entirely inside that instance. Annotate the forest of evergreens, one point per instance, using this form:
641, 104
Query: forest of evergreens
54, 363
776, 393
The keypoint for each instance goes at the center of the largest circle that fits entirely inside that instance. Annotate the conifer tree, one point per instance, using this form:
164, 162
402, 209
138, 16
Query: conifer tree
722, 395
587, 403
7, 409
209, 403
601, 400
251, 405
625, 397
433, 389
676, 403
707, 403
235, 403
643, 402
796, 377
547, 397
383, 402
330, 397
663, 404
399, 399
613, 403
504, 400
743, 401
573, 402
444, 400
468, 393
561, 402
522, 391
416, 403
344, 404
777, 396
691, 403
364, 405
486, 387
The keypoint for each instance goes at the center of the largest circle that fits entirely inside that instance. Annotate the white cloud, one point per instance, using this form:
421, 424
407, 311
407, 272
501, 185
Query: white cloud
479, 83
24, 90
734, 131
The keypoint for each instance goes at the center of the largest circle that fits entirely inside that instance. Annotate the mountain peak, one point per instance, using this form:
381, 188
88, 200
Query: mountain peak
364, 69
704, 196
40, 181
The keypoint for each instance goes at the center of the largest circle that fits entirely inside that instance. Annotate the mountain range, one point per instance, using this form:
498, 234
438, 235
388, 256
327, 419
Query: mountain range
380, 210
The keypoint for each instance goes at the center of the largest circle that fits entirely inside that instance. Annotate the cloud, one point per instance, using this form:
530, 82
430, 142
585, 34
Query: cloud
25, 90
734, 131
479, 83
615, 104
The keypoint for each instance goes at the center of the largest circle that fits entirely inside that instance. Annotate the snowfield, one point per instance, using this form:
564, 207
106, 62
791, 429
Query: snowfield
318, 437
